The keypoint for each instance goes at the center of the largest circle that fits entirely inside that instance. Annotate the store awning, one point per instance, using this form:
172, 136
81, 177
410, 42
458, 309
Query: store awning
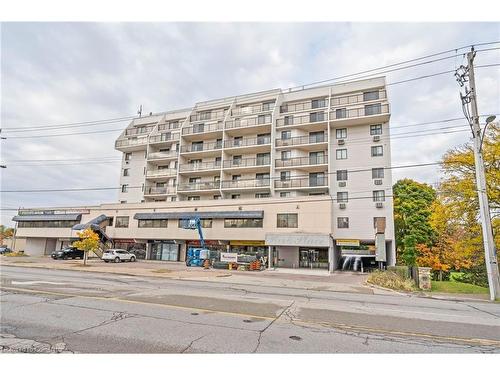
201, 215
56, 217
94, 223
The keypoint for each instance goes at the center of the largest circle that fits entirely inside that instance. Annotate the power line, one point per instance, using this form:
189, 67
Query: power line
71, 124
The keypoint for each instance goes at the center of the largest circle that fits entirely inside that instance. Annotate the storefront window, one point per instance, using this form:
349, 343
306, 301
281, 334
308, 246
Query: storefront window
205, 223
163, 223
47, 224
243, 223
164, 251
287, 220
121, 222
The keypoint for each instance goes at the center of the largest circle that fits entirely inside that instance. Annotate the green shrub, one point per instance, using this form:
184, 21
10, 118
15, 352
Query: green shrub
391, 280
475, 275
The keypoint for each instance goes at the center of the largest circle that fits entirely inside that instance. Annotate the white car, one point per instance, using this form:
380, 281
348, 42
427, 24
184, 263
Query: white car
117, 256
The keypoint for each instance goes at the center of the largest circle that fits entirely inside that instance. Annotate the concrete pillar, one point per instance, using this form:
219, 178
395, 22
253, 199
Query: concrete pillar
269, 257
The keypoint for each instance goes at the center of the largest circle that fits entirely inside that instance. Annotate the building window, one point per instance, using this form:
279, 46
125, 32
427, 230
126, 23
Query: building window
262, 195
373, 109
197, 146
318, 103
370, 95
267, 106
263, 139
376, 129
121, 222
288, 120
235, 196
263, 159
287, 134
126, 172
237, 141
193, 198
128, 156
287, 221
379, 195
285, 175
285, 155
341, 153
377, 172
237, 159
205, 223
342, 222
340, 113
198, 128
216, 197
341, 133
342, 175
47, 224
284, 194
342, 196
162, 223
316, 116
377, 151
316, 137
124, 188
263, 119
173, 199
243, 223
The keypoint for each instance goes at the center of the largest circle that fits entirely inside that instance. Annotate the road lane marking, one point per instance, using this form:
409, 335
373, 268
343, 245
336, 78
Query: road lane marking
35, 282
452, 339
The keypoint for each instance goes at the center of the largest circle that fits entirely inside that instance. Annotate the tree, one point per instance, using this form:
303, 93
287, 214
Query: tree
412, 211
5, 232
89, 241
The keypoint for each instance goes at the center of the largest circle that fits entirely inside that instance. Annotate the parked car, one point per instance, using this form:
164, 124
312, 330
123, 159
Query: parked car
118, 255
4, 249
66, 253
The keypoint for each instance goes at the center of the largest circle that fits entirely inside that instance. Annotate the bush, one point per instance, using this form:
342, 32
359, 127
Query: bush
391, 280
475, 275
403, 271
16, 254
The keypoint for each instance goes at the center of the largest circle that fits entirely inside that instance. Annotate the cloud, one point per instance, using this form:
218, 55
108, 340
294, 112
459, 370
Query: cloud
66, 72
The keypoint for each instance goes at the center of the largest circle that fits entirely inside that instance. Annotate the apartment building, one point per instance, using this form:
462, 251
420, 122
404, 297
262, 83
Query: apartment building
270, 152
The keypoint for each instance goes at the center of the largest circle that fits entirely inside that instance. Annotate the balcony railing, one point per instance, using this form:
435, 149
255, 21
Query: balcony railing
131, 142
247, 142
358, 98
302, 140
153, 190
302, 161
162, 155
164, 137
248, 162
256, 108
209, 185
203, 166
367, 110
299, 120
167, 172
241, 184
208, 116
304, 106
301, 183
138, 131
231, 124
170, 125
202, 128
206, 146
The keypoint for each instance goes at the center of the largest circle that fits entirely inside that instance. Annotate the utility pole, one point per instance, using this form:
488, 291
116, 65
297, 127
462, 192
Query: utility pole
469, 100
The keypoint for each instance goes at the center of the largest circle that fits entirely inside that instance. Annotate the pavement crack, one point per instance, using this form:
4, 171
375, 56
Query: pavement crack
261, 332
483, 311
191, 344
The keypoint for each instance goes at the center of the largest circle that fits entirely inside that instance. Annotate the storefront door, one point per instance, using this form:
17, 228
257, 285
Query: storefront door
313, 258
165, 251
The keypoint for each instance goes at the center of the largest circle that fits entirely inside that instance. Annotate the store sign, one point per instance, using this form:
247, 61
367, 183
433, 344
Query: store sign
247, 243
347, 243
229, 257
297, 239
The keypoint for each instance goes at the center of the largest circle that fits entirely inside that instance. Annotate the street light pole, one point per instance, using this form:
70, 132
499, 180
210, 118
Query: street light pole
488, 242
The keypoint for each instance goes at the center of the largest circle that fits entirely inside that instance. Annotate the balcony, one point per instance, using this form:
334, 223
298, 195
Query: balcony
260, 184
164, 138
300, 183
199, 186
305, 140
315, 118
131, 144
252, 109
203, 166
208, 116
304, 106
358, 98
201, 129
153, 190
370, 113
162, 155
143, 130
202, 147
252, 164
305, 161
252, 145
161, 173
249, 125
170, 125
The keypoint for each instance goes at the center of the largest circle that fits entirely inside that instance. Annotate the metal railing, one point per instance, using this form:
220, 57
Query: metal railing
302, 161
305, 119
301, 182
208, 185
247, 142
202, 128
170, 125
206, 146
303, 106
154, 190
358, 98
256, 108
139, 130
167, 172
231, 124
247, 162
189, 167
367, 110
241, 184
208, 116
162, 155
301, 140
131, 142
164, 137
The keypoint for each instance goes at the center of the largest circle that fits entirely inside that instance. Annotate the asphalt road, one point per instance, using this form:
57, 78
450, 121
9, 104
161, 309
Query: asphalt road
53, 311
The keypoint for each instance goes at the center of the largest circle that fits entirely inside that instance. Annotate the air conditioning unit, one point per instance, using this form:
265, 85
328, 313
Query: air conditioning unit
379, 205
341, 142
376, 138
342, 206
378, 182
342, 184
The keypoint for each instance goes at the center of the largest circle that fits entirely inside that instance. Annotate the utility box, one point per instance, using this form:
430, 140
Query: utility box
424, 278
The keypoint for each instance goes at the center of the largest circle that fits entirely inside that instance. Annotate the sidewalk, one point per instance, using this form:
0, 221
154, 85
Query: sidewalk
352, 282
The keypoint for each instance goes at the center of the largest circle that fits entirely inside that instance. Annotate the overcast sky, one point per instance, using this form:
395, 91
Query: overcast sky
55, 73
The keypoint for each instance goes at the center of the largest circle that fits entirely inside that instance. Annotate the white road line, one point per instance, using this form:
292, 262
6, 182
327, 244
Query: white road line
36, 282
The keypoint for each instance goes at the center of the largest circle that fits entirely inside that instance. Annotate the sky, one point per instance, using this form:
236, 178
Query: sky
58, 73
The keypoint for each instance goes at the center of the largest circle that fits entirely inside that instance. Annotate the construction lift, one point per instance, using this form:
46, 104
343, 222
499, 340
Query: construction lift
196, 256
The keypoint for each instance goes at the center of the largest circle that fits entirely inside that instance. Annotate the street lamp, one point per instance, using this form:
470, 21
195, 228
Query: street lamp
489, 120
